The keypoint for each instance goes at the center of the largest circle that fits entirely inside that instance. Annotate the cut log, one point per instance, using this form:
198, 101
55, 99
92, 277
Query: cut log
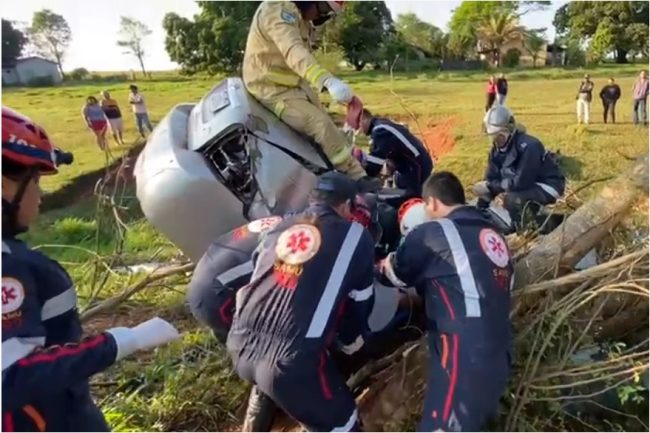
399, 387
585, 228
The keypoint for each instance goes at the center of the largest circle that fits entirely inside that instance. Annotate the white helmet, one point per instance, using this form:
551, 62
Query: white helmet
499, 119
411, 214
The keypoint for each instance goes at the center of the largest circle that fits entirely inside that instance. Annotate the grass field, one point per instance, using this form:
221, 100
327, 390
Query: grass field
188, 386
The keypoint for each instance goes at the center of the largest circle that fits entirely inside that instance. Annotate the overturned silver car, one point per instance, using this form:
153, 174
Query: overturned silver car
210, 167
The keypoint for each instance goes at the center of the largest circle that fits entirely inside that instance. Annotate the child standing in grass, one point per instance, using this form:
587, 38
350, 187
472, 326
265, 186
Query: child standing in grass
95, 119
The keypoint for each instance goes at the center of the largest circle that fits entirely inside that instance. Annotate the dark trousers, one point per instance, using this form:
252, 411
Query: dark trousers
527, 201
609, 107
489, 100
640, 115
462, 395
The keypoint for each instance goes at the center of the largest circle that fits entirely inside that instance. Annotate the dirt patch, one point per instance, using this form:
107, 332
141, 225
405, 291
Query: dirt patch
438, 136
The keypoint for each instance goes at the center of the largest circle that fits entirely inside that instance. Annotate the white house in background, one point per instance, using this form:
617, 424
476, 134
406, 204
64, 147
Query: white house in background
29, 68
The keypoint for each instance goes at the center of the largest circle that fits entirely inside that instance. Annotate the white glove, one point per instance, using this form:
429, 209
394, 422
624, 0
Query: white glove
481, 189
339, 91
152, 333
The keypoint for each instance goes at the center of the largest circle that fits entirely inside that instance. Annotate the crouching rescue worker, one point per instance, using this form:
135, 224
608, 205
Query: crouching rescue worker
45, 363
393, 142
310, 294
226, 266
519, 167
462, 268
280, 70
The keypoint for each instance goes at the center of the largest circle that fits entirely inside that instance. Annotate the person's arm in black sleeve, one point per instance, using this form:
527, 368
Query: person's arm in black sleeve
354, 326
31, 371
405, 267
602, 93
379, 151
617, 94
527, 170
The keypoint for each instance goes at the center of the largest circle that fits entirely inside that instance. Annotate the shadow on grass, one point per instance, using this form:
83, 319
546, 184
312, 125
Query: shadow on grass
571, 167
83, 186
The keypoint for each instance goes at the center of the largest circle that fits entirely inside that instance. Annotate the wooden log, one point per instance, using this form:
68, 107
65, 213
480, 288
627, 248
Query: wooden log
585, 228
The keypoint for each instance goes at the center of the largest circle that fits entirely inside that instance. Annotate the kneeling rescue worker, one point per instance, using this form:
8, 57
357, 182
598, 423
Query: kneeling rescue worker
311, 293
393, 142
280, 70
518, 166
45, 363
462, 268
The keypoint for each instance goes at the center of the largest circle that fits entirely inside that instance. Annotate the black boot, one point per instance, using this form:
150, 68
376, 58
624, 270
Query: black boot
259, 413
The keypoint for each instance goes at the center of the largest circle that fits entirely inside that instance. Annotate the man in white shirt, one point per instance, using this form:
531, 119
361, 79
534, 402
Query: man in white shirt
139, 109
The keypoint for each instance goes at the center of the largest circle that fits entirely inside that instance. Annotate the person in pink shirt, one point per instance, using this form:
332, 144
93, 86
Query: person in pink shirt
640, 95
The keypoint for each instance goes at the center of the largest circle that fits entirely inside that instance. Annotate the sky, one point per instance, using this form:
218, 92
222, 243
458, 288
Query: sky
95, 25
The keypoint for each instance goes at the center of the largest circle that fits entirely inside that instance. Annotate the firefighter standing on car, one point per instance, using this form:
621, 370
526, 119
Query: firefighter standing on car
393, 142
311, 292
462, 268
45, 363
280, 70
519, 167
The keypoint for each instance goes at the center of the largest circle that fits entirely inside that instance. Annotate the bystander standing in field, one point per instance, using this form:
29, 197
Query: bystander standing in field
139, 109
583, 99
490, 93
502, 89
609, 94
640, 95
93, 115
114, 116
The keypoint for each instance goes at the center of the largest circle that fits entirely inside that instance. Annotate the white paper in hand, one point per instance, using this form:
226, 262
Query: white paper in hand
154, 332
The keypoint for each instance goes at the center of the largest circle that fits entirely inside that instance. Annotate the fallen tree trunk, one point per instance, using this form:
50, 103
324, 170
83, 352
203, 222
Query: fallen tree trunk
400, 385
585, 228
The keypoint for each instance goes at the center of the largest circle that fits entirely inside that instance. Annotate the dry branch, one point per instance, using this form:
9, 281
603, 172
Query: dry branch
156, 275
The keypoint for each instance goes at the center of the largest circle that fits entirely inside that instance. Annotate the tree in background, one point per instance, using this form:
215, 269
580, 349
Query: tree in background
214, 41
13, 42
534, 43
50, 35
361, 30
422, 35
624, 24
132, 33
498, 29
463, 29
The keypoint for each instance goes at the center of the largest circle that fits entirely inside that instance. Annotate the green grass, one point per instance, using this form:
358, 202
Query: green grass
188, 385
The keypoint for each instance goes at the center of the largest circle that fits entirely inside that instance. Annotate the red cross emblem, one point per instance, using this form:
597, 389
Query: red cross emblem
8, 295
298, 242
496, 245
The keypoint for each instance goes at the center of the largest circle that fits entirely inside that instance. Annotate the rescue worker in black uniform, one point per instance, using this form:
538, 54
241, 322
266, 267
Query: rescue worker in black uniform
393, 142
45, 363
519, 167
462, 268
310, 294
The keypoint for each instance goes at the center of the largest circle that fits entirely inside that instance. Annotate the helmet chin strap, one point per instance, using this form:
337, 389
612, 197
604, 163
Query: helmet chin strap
10, 209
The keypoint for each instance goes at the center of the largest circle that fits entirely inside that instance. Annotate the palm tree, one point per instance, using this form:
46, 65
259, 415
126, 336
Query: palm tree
534, 43
498, 29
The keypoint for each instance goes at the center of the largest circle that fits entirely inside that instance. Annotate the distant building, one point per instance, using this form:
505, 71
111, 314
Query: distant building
28, 69
518, 45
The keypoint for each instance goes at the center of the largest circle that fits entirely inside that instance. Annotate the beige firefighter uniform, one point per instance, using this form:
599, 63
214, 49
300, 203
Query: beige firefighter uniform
279, 70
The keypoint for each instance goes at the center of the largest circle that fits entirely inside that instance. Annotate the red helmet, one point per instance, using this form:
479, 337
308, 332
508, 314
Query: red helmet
336, 6
25, 143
